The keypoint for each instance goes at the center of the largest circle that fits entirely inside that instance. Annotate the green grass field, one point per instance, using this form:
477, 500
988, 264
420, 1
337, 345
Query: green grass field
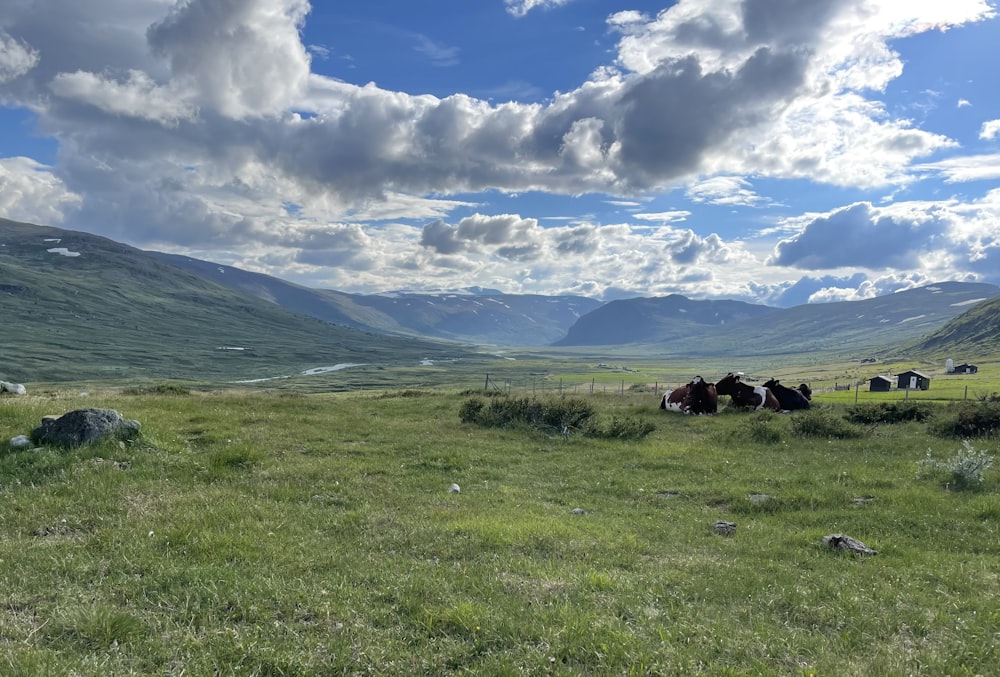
283, 532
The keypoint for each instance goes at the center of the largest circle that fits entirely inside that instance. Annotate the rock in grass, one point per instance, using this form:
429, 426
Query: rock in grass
13, 388
454, 489
848, 544
84, 426
20, 442
724, 528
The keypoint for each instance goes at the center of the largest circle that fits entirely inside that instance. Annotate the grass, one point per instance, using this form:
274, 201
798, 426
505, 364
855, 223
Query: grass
284, 533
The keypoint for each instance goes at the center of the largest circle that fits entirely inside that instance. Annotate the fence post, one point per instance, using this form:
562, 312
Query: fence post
486, 386
857, 387
592, 385
623, 388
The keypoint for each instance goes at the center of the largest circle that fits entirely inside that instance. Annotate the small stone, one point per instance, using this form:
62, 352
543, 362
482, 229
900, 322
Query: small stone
724, 528
454, 489
579, 511
20, 442
848, 544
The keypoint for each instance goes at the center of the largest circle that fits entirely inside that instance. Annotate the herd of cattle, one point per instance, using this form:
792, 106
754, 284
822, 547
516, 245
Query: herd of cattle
701, 397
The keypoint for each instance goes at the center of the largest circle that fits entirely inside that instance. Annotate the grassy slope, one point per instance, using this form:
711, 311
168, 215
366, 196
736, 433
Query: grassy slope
311, 535
975, 332
849, 328
114, 312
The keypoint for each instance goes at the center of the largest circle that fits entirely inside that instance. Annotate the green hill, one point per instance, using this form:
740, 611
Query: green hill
974, 332
77, 306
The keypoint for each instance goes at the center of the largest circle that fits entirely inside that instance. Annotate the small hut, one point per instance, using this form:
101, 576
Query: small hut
913, 380
965, 369
879, 384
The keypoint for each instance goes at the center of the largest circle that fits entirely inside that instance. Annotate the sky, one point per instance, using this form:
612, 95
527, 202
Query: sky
772, 151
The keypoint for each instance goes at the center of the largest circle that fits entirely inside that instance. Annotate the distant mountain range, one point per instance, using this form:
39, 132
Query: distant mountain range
74, 303
480, 316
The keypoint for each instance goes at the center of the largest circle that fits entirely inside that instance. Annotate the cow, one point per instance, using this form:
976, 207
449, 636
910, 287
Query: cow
790, 399
806, 391
697, 397
743, 395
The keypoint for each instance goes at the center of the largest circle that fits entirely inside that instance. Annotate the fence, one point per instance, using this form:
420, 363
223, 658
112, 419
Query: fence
537, 384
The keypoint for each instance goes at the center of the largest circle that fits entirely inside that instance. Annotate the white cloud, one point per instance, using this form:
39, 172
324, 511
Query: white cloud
724, 190
135, 95
29, 191
965, 168
519, 8
664, 217
990, 129
244, 59
16, 58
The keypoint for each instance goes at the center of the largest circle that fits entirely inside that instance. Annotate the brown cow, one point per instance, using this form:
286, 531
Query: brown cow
743, 395
697, 397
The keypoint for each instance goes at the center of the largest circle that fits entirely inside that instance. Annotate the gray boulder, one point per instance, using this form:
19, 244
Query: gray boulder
13, 388
84, 426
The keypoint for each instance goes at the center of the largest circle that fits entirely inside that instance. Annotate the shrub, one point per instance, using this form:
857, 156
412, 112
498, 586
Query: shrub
970, 420
562, 415
889, 412
820, 423
619, 428
470, 410
965, 469
762, 427
158, 389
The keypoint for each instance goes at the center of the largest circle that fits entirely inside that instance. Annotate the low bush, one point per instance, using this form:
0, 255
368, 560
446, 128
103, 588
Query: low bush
561, 415
822, 423
969, 420
763, 427
889, 412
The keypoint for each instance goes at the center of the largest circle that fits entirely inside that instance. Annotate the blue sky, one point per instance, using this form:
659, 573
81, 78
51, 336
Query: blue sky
772, 151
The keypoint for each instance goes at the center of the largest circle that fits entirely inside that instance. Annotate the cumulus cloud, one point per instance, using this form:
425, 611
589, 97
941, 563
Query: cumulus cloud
504, 235
135, 95
860, 236
16, 58
243, 58
990, 129
29, 191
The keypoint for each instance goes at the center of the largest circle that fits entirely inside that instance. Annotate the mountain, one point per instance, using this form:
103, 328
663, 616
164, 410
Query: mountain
974, 332
78, 306
657, 320
467, 316
845, 326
